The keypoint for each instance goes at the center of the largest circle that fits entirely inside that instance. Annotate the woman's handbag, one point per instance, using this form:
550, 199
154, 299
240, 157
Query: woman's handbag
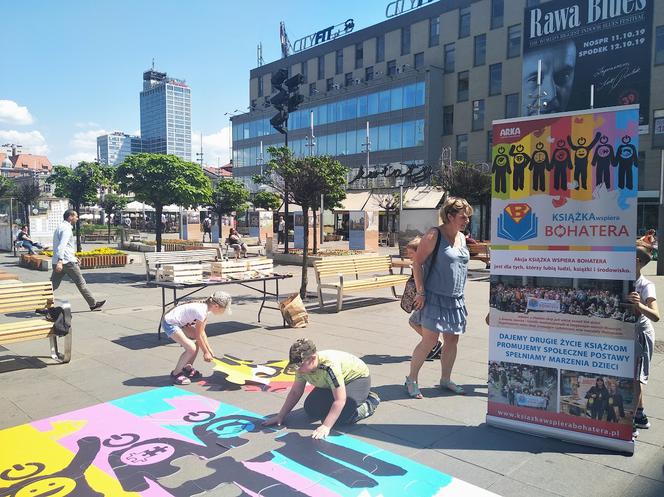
410, 290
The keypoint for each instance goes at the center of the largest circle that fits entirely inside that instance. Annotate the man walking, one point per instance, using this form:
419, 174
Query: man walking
65, 261
207, 227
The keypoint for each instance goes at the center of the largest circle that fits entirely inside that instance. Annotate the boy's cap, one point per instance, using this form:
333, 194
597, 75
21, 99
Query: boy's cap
300, 351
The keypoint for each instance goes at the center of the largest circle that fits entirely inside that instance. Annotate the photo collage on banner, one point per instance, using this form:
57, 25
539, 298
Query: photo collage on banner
581, 44
562, 337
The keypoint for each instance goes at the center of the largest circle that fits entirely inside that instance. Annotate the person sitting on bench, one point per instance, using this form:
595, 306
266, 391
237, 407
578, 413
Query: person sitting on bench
235, 241
27, 242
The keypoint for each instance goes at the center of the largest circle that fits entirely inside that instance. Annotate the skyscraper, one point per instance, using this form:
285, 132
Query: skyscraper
165, 115
113, 148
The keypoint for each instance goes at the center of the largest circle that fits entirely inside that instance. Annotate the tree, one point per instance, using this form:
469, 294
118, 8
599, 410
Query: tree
390, 202
160, 180
27, 192
112, 203
79, 185
229, 196
6, 187
469, 181
267, 200
308, 178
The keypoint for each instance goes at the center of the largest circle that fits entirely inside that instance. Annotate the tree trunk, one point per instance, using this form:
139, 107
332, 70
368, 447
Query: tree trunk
305, 253
315, 237
158, 211
221, 233
79, 247
108, 216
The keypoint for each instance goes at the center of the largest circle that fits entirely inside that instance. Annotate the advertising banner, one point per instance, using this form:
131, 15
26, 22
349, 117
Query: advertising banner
582, 43
564, 197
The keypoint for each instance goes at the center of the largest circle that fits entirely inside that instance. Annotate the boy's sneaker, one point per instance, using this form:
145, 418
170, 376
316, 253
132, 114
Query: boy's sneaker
635, 433
366, 408
435, 352
641, 421
373, 400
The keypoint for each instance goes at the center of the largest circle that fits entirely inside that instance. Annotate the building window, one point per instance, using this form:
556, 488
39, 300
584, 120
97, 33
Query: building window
462, 86
497, 11
512, 105
312, 89
514, 41
391, 67
434, 31
464, 22
659, 45
418, 60
305, 72
448, 120
368, 73
260, 86
405, 40
462, 147
348, 79
339, 61
495, 79
449, 57
478, 115
359, 55
480, 50
321, 67
329, 84
380, 48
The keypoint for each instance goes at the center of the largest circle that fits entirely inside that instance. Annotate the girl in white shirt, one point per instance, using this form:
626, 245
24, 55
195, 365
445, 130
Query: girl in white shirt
185, 324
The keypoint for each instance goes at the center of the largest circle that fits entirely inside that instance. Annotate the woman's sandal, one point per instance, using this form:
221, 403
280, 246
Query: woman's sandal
180, 378
412, 389
191, 373
452, 387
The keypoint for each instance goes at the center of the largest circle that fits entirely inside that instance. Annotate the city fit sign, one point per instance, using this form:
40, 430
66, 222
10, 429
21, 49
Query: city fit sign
399, 7
324, 35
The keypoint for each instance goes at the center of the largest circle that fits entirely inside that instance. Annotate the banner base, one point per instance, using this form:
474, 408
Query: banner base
565, 435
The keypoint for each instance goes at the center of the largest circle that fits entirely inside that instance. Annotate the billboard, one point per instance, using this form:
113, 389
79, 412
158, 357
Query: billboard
562, 350
582, 43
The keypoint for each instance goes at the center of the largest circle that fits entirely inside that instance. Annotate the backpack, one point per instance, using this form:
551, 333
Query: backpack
207, 223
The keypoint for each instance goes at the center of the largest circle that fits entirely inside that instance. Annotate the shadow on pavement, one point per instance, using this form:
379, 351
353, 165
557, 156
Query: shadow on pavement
121, 278
356, 303
380, 359
17, 362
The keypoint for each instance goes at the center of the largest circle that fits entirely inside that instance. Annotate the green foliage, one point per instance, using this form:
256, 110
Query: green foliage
6, 187
267, 200
466, 180
160, 180
229, 196
79, 185
112, 203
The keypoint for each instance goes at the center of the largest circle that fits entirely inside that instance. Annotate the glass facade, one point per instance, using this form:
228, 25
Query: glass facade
166, 117
114, 148
400, 97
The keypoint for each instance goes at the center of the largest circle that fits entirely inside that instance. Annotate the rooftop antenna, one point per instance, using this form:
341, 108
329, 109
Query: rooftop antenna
200, 154
259, 54
283, 39
153, 63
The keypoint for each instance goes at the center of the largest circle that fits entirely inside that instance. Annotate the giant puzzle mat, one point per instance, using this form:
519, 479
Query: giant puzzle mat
170, 442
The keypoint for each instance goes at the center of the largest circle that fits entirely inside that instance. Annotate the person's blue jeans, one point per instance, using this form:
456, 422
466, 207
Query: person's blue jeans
29, 246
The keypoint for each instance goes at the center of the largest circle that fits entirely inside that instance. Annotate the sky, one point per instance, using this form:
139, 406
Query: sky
72, 69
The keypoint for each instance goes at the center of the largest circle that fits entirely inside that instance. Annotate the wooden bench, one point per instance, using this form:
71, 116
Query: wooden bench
154, 260
480, 251
402, 261
97, 236
253, 244
133, 235
340, 268
17, 297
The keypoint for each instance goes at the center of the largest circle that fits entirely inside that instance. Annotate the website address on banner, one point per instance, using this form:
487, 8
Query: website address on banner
557, 423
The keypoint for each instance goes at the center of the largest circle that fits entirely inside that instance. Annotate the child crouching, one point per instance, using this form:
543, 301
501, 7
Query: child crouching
185, 324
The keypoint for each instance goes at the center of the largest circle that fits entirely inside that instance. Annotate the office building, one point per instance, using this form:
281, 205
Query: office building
165, 115
113, 148
429, 81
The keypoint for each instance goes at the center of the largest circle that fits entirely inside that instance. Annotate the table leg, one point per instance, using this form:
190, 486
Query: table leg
163, 311
283, 319
263, 302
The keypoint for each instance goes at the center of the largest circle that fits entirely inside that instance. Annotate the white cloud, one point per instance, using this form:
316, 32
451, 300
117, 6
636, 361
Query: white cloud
84, 146
215, 145
33, 142
11, 112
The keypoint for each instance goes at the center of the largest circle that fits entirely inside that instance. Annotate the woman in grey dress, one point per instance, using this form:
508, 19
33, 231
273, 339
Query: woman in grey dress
440, 287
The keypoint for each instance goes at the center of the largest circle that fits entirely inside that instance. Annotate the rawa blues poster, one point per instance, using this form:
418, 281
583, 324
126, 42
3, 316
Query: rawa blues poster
562, 353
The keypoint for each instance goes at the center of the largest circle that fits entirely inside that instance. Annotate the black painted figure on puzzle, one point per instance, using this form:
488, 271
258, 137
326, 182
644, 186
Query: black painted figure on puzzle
538, 164
520, 161
603, 159
626, 157
581, 154
500, 169
560, 162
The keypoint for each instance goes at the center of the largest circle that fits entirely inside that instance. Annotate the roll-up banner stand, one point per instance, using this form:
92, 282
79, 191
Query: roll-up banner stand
562, 339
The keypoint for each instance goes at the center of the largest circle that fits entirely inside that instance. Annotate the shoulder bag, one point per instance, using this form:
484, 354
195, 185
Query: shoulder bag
410, 290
